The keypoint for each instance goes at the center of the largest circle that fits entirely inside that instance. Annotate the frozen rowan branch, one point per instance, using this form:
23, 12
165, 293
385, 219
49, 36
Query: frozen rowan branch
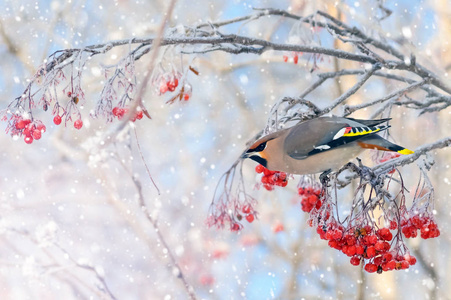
408, 159
205, 39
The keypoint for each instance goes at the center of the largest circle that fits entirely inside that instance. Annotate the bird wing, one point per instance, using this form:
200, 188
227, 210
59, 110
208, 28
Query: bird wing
370, 122
324, 134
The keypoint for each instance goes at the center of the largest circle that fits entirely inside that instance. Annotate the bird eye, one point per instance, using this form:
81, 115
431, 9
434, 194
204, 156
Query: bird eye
260, 147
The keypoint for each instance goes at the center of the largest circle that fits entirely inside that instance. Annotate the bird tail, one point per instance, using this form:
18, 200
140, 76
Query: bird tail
379, 143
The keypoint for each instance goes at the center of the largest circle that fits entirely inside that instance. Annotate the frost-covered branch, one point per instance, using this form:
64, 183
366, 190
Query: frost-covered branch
408, 159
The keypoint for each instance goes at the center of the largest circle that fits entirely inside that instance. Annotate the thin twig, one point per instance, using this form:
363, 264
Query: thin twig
352, 90
350, 109
144, 161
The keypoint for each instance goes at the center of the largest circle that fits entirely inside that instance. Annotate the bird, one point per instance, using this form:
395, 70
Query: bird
320, 145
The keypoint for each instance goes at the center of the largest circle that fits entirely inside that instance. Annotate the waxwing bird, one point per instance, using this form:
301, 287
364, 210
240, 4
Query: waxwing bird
320, 144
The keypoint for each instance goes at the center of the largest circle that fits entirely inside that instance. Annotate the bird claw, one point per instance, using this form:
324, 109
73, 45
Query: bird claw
324, 177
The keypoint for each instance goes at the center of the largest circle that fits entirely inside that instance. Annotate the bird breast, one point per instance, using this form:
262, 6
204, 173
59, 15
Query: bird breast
320, 162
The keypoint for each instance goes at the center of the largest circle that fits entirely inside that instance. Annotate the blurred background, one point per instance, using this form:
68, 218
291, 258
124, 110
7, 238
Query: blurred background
71, 224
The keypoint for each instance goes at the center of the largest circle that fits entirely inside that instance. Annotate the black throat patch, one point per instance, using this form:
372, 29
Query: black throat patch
260, 160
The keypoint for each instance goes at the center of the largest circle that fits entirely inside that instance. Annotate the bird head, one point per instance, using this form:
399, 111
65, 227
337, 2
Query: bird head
257, 152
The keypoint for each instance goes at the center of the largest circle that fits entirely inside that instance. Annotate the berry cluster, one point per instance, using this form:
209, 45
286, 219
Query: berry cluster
31, 130
365, 245
272, 178
120, 112
248, 212
310, 197
294, 57
169, 83
427, 226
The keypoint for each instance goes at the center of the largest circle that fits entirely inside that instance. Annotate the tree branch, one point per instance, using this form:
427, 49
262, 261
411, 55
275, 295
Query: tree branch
408, 159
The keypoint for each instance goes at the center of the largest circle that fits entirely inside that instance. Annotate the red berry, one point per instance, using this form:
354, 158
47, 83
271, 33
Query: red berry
57, 120
28, 130
246, 209
318, 203
372, 239
393, 225
379, 246
278, 227
28, 139
259, 169
172, 84
378, 261
250, 218
41, 127
387, 256
186, 97
370, 252
267, 172
78, 124
22, 123
359, 250
370, 268
139, 114
337, 234
391, 265
355, 261
415, 220
335, 245
404, 265
295, 58
121, 112
163, 87
350, 240
285, 58
115, 111
235, 227
410, 259
282, 176
329, 235
36, 134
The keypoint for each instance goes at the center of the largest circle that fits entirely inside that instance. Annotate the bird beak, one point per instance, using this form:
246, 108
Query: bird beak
245, 155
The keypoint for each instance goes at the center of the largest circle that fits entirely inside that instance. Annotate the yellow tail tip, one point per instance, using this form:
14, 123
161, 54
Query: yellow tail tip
405, 151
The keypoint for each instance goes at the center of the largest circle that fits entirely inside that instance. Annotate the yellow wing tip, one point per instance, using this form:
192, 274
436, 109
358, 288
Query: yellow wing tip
405, 151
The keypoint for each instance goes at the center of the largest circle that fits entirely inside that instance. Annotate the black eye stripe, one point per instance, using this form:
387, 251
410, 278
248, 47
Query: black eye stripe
259, 148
